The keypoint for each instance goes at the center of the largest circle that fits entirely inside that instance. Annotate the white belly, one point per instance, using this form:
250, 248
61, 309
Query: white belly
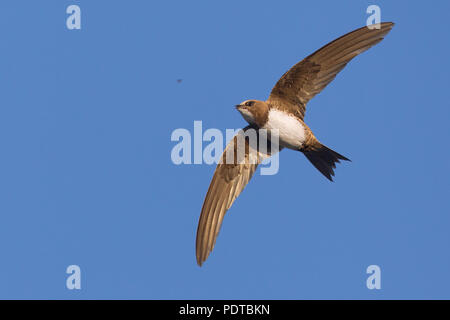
291, 132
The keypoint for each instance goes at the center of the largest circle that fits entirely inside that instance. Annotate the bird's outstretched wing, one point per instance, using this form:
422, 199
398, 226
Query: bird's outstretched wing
235, 169
311, 75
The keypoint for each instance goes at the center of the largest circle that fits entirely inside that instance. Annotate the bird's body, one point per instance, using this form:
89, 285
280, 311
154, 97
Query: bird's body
282, 113
291, 129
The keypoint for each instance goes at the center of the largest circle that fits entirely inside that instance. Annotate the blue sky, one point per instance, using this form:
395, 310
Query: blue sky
86, 176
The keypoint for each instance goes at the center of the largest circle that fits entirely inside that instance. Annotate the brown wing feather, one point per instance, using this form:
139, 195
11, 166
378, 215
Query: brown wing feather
230, 178
311, 75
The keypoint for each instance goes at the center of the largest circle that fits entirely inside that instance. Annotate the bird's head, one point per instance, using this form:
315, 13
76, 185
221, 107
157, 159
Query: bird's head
255, 112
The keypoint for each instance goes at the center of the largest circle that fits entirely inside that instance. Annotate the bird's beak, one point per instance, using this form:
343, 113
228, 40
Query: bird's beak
239, 106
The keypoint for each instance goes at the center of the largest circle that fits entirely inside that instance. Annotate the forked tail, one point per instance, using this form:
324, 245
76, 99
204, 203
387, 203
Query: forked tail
324, 159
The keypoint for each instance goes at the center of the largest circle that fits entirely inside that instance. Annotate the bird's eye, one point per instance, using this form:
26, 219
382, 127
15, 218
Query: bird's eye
249, 103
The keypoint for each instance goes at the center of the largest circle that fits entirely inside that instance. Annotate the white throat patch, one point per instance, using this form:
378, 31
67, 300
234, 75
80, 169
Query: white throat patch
247, 116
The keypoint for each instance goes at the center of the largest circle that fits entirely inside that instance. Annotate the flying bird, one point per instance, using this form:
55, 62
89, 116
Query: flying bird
283, 111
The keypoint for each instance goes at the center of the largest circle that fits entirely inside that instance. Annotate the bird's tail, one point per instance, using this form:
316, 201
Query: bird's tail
324, 159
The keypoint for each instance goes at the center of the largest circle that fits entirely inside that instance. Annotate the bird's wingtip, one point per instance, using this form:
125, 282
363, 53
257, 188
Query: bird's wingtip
200, 260
388, 24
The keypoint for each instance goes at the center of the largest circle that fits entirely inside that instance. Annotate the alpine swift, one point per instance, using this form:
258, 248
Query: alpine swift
284, 111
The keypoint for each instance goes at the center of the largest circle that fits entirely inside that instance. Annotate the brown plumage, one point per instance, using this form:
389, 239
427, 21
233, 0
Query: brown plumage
285, 107
311, 75
228, 181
